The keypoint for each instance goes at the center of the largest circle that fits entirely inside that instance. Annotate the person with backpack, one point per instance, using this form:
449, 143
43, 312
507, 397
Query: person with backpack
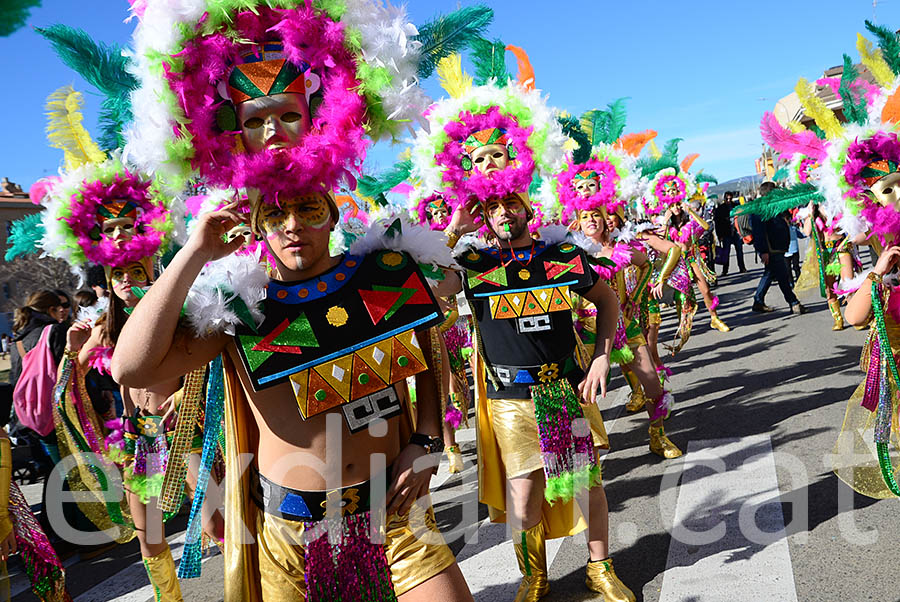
38, 325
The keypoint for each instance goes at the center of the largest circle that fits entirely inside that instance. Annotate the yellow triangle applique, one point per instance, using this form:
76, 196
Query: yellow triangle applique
338, 373
299, 383
378, 357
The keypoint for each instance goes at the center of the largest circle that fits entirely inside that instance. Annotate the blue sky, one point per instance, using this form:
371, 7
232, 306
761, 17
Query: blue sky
699, 70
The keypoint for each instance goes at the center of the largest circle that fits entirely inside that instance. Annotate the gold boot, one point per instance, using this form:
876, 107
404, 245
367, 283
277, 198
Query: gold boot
637, 400
718, 324
661, 445
454, 457
835, 306
161, 569
601, 578
531, 552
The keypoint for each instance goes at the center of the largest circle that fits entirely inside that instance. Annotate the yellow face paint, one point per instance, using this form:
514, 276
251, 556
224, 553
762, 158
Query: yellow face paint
135, 272
309, 211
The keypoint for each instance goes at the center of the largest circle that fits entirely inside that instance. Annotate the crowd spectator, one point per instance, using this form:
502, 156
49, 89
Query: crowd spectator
772, 238
86, 298
728, 234
4, 345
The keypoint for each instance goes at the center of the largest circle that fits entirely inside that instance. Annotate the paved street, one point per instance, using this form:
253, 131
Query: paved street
758, 412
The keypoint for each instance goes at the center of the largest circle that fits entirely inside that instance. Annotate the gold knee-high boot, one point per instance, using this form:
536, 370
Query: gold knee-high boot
601, 578
531, 552
835, 306
637, 400
455, 459
161, 569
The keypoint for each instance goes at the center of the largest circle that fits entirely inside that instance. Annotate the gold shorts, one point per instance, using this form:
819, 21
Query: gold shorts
515, 428
415, 552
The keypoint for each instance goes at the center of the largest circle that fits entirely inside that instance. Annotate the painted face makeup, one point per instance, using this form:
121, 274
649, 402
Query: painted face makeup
507, 217
309, 211
273, 122
133, 274
490, 158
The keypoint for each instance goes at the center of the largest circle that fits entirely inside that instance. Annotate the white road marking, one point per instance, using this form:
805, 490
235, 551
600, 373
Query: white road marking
727, 486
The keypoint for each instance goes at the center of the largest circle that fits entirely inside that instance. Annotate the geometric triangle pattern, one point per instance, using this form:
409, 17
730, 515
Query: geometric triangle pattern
355, 375
378, 303
495, 277
555, 269
530, 303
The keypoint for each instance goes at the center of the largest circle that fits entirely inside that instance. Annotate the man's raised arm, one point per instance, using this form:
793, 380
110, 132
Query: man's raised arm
146, 353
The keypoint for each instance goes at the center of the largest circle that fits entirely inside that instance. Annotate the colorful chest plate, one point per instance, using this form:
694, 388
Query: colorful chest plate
344, 335
525, 283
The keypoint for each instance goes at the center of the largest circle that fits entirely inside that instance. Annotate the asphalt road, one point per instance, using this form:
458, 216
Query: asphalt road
758, 411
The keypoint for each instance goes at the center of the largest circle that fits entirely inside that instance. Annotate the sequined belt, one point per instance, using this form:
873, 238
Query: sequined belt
532, 375
308, 506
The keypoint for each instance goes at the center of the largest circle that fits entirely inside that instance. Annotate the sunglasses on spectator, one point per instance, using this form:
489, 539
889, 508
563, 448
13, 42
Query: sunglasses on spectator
65, 305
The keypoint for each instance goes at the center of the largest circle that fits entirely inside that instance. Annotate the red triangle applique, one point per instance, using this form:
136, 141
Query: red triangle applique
555, 269
266, 343
421, 297
378, 303
577, 266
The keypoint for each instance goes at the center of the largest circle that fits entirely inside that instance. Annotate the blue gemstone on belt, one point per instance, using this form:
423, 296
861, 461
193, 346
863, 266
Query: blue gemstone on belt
523, 377
294, 504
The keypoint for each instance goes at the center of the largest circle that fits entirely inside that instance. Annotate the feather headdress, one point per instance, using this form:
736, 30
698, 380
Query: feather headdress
363, 56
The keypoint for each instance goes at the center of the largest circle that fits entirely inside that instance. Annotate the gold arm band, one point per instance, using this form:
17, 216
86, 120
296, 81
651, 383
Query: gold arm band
703, 223
672, 258
452, 239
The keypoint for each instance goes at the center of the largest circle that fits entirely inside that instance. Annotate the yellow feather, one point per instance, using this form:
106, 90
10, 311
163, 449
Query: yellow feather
815, 108
874, 62
654, 150
452, 78
795, 126
65, 131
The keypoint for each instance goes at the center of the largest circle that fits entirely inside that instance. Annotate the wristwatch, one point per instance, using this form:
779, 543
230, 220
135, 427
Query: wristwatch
431, 444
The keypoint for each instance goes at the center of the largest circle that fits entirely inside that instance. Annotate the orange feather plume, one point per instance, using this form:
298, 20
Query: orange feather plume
526, 71
634, 143
891, 111
688, 161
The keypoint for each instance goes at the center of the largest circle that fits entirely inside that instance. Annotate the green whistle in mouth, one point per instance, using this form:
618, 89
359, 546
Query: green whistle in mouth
506, 227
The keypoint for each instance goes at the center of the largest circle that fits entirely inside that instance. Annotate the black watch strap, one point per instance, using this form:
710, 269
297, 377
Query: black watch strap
431, 444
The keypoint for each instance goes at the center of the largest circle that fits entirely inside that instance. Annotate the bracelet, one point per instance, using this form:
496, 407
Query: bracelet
69, 354
452, 239
877, 278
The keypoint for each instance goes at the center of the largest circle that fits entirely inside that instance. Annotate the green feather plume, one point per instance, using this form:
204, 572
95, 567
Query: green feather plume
489, 60
451, 33
778, 201
375, 186
650, 167
819, 132
24, 236
706, 177
14, 13
571, 127
670, 150
781, 174
104, 67
605, 125
890, 47
854, 103
669, 158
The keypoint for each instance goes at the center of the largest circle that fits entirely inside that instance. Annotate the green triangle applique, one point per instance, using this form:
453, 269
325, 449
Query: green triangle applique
298, 334
254, 358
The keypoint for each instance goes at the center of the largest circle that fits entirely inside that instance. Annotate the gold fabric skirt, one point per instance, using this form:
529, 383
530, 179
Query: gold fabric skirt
515, 428
414, 548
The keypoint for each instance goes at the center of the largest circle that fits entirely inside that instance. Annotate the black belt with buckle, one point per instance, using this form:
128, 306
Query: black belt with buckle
308, 506
528, 376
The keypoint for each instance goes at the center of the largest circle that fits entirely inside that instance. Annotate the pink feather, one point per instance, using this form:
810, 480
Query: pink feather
789, 144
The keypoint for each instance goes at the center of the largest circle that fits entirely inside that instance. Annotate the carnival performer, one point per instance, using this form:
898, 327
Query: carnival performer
666, 186
483, 147
833, 258
314, 352
20, 533
859, 181
434, 211
684, 226
589, 193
